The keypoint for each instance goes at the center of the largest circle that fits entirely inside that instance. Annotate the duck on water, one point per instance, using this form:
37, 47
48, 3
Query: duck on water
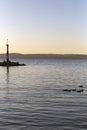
74, 89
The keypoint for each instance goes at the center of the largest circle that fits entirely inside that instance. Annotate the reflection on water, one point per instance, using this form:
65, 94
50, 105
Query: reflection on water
7, 75
31, 97
7, 84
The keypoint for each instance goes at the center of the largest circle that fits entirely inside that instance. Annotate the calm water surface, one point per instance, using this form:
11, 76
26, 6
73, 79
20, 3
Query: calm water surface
32, 96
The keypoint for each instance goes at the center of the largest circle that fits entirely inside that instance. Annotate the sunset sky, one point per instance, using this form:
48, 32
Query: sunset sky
44, 26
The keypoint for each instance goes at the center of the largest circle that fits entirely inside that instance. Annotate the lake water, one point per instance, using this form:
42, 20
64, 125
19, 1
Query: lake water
32, 96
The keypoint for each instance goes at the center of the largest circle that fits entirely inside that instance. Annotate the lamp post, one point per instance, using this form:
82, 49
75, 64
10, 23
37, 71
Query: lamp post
7, 52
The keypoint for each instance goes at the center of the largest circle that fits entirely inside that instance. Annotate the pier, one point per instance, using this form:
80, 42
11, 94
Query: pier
7, 62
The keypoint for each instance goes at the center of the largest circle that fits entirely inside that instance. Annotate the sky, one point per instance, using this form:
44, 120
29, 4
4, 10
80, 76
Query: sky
44, 26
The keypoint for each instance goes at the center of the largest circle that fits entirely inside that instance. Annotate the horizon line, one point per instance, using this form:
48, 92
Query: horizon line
44, 53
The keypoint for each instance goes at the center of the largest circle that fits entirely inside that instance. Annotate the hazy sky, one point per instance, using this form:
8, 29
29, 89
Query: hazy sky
44, 26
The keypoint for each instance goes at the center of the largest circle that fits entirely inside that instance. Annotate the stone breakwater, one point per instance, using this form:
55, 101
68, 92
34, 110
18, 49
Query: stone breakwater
4, 63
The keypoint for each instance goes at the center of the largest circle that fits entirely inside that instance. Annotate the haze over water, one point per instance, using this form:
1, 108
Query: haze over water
32, 96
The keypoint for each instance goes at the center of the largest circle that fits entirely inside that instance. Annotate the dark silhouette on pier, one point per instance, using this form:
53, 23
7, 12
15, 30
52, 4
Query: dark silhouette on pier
8, 62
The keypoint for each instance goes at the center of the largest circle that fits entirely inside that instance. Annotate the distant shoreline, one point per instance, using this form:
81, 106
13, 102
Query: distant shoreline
44, 56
